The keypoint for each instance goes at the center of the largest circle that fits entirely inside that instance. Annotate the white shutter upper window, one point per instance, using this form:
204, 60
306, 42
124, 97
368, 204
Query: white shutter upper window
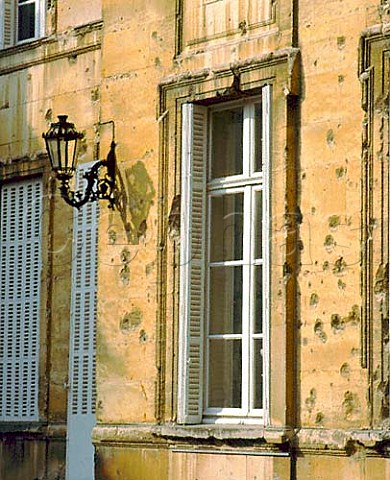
224, 262
82, 357
21, 21
192, 265
84, 305
20, 258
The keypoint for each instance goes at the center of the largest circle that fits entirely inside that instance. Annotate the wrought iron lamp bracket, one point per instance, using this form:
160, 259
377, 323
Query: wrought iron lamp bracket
97, 188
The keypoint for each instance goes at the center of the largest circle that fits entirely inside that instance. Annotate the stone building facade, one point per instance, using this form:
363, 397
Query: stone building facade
237, 323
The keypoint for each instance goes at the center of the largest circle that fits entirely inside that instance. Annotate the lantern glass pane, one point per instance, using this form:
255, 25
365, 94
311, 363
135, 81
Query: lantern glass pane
53, 153
63, 156
72, 152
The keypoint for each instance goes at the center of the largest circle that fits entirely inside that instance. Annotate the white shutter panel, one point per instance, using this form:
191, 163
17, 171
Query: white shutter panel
7, 23
82, 358
20, 258
83, 306
192, 246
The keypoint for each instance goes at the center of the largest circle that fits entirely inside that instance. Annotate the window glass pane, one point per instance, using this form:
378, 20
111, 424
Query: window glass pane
227, 141
226, 227
258, 374
258, 296
258, 225
258, 138
26, 21
225, 373
225, 300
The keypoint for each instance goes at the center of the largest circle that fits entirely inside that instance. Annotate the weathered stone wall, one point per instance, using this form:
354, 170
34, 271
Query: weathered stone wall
320, 314
329, 287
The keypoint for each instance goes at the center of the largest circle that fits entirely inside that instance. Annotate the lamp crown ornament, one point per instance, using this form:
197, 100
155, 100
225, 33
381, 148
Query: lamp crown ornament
62, 145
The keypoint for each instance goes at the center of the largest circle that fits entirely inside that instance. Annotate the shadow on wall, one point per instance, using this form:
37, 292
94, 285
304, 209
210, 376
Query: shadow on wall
135, 194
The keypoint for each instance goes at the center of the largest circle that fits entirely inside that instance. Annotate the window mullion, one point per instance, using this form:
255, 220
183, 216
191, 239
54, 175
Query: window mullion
246, 309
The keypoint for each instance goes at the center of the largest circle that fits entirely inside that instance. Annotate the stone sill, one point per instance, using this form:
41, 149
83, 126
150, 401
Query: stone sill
171, 433
304, 439
32, 430
339, 439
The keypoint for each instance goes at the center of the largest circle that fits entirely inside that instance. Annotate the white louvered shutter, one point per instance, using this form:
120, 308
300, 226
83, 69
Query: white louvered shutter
20, 258
83, 309
7, 23
192, 246
82, 395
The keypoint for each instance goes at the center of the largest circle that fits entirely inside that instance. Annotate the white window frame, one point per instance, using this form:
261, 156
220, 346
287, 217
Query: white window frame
249, 182
9, 19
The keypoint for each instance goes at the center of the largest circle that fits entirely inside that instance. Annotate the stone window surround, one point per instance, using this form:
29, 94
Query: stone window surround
374, 65
207, 86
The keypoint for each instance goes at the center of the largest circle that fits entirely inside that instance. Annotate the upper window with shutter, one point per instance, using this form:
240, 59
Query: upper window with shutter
20, 259
223, 364
21, 21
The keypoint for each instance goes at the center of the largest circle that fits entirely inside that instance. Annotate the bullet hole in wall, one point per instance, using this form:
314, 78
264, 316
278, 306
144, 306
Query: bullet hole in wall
340, 172
339, 265
330, 140
95, 94
124, 274
341, 42
345, 370
311, 399
334, 221
319, 331
243, 27
325, 266
329, 243
320, 417
353, 316
314, 299
112, 236
143, 338
350, 404
341, 285
337, 323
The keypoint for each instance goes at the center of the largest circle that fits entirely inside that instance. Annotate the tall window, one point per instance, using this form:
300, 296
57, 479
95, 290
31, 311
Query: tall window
20, 261
21, 21
224, 262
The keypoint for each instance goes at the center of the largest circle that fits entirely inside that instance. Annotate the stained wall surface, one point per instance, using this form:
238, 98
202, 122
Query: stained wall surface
134, 64
154, 55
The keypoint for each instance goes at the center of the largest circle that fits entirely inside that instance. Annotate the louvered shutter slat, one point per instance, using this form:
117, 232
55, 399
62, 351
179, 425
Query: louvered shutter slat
192, 263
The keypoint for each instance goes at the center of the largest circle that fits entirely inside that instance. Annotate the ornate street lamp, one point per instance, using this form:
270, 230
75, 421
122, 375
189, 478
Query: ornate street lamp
62, 145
